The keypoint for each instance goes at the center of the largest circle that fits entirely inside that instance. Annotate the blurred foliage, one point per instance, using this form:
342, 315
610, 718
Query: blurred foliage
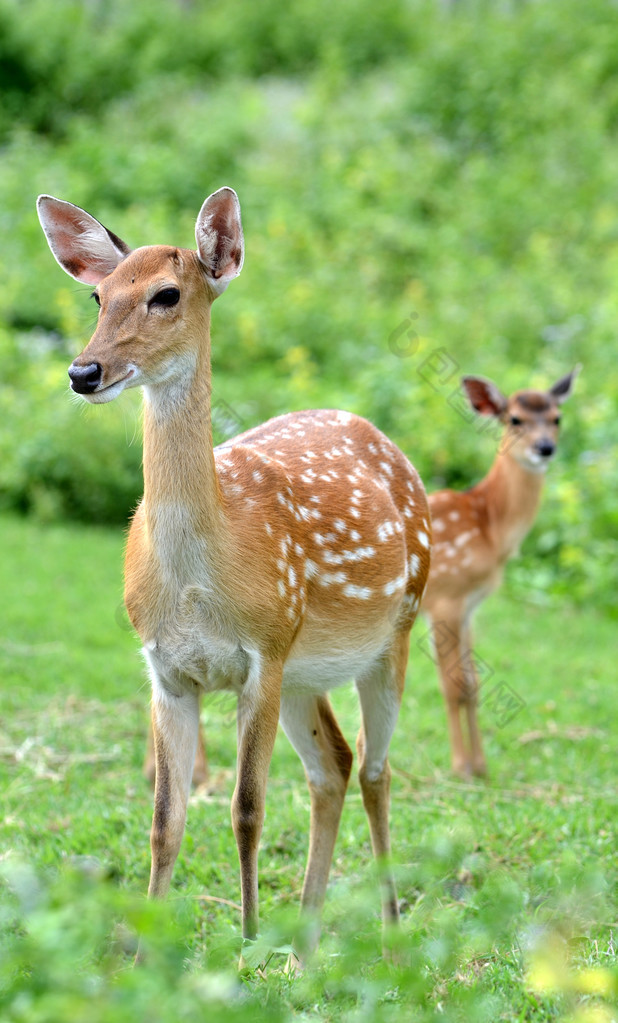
428, 189
465, 951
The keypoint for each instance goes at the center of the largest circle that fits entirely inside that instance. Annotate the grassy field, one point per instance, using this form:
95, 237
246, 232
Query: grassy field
507, 887
428, 189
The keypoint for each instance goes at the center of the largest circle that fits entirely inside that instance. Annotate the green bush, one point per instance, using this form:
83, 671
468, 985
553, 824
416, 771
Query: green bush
452, 170
69, 940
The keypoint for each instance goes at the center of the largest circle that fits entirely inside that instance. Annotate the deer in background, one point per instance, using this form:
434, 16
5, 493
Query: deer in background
289, 561
475, 532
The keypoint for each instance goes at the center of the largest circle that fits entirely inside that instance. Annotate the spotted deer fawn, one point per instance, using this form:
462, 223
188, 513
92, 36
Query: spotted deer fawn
288, 561
475, 532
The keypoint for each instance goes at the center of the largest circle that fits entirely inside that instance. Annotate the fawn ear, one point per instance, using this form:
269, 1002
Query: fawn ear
564, 387
84, 248
218, 232
484, 396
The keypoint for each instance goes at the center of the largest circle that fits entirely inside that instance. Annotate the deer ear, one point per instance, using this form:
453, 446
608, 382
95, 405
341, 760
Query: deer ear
85, 249
218, 232
484, 396
564, 387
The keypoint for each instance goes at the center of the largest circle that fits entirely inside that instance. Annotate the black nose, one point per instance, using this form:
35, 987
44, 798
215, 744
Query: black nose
85, 379
545, 448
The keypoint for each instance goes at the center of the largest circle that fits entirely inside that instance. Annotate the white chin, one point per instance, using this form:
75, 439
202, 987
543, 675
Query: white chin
535, 463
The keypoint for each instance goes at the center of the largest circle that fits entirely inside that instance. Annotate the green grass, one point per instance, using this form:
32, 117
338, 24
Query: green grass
427, 190
489, 872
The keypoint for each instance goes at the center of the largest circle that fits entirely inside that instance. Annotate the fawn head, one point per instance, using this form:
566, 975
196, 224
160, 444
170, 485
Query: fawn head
154, 301
531, 418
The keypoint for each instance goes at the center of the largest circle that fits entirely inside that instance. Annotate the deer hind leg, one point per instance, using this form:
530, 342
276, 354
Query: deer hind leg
477, 757
201, 772
175, 720
380, 689
310, 725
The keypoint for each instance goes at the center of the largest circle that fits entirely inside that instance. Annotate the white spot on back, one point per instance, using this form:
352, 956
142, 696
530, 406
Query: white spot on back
385, 530
331, 558
463, 538
361, 592
328, 578
395, 584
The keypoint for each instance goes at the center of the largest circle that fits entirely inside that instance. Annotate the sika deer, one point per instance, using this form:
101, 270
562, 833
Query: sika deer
290, 560
476, 531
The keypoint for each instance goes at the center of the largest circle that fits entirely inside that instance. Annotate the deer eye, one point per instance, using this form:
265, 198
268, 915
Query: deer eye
167, 296
557, 420
516, 421
96, 298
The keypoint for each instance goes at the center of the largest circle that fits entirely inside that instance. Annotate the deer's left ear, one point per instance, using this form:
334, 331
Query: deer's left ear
484, 396
564, 387
85, 249
218, 232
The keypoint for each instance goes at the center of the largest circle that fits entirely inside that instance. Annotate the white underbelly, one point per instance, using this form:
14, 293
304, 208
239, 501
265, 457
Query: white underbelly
321, 658
317, 671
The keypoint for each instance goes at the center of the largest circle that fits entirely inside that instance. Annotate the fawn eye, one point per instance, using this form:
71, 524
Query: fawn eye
557, 420
516, 421
167, 296
96, 298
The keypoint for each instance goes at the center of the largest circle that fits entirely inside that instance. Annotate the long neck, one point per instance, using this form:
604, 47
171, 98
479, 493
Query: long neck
512, 494
180, 481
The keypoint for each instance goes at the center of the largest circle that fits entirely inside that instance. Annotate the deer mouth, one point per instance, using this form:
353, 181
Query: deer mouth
536, 462
110, 391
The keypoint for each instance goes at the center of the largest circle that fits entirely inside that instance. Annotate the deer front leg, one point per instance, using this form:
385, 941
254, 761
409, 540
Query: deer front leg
175, 720
258, 716
447, 634
477, 757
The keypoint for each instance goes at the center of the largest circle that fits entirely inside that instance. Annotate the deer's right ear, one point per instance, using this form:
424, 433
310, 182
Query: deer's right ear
564, 387
218, 233
85, 249
484, 396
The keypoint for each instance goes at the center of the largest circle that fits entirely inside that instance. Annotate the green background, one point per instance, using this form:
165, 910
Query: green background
432, 179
